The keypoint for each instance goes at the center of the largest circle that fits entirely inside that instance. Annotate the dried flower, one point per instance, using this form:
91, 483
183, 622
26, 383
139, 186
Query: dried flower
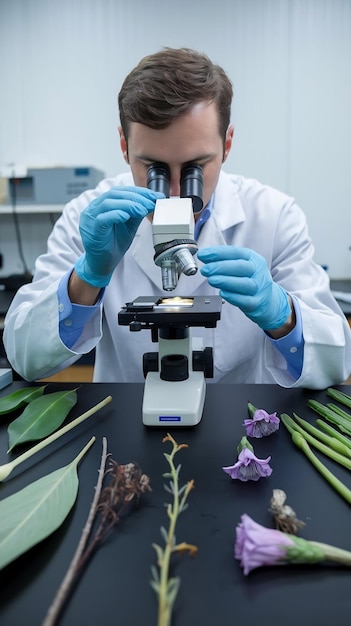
260, 423
125, 483
256, 546
248, 466
284, 515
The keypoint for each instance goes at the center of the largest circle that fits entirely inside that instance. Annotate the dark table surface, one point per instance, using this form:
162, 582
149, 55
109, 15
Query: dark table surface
115, 588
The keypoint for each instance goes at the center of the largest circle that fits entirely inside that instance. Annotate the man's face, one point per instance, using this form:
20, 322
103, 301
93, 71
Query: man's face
191, 138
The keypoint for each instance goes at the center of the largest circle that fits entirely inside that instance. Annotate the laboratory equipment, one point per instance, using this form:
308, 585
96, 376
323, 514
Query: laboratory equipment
174, 392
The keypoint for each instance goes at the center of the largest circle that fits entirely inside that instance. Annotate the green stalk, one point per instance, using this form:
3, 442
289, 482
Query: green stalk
339, 411
334, 433
333, 554
165, 608
328, 439
7, 468
330, 416
293, 427
165, 587
340, 396
301, 443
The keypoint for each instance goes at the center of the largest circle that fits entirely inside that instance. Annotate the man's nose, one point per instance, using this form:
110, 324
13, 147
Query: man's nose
175, 184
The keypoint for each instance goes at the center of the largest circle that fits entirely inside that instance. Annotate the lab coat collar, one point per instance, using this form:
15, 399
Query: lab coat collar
227, 207
227, 211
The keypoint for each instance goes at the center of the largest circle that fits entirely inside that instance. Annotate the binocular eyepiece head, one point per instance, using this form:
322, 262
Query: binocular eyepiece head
158, 178
191, 182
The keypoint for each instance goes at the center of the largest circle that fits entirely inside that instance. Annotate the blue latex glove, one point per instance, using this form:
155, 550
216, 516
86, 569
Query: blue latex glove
107, 227
244, 280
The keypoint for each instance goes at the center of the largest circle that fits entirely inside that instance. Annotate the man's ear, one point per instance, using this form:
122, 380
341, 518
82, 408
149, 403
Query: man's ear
123, 144
228, 141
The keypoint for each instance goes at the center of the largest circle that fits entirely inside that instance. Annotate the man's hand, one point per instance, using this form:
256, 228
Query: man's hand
107, 227
244, 280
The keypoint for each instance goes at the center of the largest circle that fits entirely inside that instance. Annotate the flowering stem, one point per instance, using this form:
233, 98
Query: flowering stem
165, 609
256, 546
165, 587
336, 555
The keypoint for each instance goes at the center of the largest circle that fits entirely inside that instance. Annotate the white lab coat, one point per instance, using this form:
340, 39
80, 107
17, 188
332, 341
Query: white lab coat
245, 213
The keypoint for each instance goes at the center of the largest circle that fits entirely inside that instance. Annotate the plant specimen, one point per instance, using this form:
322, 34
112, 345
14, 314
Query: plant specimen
33, 513
41, 417
256, 546
329, 441
260, 423
248, 466
7, 468
165, 587
116, 488
19, 398
284, 515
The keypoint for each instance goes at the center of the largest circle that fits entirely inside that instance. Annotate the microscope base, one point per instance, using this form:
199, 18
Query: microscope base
176, 403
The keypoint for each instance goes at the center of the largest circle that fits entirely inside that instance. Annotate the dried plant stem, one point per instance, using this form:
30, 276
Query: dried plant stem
65, 587
100, 534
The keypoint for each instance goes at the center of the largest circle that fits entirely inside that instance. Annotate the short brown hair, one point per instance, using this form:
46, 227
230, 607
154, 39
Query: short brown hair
167, 84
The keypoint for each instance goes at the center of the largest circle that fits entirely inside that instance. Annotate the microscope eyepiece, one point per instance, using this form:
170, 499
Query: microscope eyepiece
158, 178
191, 185
191, 182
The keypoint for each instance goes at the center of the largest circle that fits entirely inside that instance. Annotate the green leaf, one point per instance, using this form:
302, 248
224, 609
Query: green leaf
41, 417
19, 398
33, 513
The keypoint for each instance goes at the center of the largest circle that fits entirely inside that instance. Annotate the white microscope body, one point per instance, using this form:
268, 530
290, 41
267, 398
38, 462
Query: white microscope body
175, 387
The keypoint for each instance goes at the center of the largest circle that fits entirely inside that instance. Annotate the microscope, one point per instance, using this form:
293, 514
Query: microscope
174, 391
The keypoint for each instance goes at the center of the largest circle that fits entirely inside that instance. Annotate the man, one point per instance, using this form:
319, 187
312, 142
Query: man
279, 322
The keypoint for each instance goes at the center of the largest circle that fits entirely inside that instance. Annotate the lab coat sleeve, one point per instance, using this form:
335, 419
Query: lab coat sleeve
31, 329
31, 337
327, 353
326, 333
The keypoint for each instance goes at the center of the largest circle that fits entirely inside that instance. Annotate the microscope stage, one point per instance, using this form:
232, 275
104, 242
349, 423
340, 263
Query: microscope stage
204, 311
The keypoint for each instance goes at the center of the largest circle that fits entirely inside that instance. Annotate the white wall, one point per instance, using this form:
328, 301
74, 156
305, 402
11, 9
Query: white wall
63, 62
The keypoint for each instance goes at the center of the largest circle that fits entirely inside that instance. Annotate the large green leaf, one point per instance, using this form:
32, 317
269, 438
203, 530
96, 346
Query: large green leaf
33, 513
19, 398
41, 417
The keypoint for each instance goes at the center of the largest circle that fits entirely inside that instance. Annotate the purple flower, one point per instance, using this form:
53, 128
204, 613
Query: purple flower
248, 466
256, 545
260, 423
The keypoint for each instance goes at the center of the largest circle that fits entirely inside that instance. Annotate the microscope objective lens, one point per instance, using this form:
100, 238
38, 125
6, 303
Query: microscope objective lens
169, 275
